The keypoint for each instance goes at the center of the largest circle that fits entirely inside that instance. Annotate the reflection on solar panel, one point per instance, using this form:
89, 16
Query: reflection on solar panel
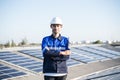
105, 50
72, 62
110, 74
22, 61
34, 53
99, 52
81, 58
7, 72
104, 53
93, 56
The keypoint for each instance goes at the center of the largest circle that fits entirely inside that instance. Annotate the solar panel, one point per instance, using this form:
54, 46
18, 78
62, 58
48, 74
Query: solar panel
3, 67
109, 55
72, 62
105, 50
34, 53
91, 55
93, 52
30, 63
30, 50
34, 66
4, 76
80, 58
38, 69
20, 60
110, 74
110, 77
17, 74
7, 72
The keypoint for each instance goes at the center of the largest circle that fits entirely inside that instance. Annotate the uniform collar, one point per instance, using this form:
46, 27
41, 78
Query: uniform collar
59, 37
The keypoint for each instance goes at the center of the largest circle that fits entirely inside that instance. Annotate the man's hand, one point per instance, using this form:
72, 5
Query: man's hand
67, 52
47, 48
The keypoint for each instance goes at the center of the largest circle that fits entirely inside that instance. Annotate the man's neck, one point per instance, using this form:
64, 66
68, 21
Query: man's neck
56, 35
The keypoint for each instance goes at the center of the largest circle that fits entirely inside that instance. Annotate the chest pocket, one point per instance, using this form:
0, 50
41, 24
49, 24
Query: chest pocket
50, 44
62, 43
62, 46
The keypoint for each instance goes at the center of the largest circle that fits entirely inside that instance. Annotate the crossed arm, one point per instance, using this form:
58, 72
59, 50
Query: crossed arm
56, 55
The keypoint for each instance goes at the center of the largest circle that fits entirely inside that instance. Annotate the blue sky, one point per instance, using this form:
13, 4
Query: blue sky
82, 19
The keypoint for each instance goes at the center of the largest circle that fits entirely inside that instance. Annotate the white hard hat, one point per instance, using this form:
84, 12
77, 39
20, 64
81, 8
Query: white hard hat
56, 20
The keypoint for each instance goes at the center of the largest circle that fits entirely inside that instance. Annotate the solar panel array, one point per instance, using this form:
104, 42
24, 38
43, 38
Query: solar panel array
7, 72
38, 54
79, 55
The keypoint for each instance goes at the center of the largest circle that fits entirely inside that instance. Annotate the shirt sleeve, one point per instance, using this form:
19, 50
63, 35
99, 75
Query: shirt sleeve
46, 52
67, 44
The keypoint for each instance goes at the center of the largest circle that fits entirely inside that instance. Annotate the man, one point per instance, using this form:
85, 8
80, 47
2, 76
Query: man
55, 49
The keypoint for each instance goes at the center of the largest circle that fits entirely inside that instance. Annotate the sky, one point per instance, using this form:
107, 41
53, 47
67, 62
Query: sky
82, 19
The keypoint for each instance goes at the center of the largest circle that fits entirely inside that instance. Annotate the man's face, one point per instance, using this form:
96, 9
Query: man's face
56, 28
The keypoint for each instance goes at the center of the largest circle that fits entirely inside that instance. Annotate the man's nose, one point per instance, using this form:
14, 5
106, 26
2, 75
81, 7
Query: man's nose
55, 26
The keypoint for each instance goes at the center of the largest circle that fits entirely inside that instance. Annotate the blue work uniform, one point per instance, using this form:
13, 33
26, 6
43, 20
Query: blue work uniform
53, 61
